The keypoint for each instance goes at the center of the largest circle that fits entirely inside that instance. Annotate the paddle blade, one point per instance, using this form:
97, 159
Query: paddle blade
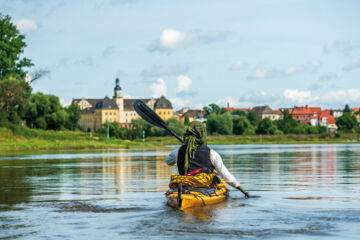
148, 115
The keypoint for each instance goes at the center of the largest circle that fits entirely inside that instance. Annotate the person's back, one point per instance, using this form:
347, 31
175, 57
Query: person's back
196, 157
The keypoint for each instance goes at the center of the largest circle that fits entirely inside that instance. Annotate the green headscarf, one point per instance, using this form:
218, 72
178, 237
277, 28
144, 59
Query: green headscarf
194, 136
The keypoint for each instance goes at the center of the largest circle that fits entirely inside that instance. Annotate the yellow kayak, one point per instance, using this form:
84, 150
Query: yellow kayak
184, 197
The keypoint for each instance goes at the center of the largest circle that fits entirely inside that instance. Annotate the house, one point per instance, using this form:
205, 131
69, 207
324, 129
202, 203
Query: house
336, 113
267, 112
105, 110
96, 112
231, 109
304, 114
324, 119
193, 114
356, 112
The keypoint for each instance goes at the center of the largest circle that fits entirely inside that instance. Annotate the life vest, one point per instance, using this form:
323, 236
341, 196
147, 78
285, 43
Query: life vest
199, 162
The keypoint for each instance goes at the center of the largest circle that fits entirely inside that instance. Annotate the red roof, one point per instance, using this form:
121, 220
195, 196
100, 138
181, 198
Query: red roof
305, 110
278, 111
230, 109
356, 110
323, 114
331, 120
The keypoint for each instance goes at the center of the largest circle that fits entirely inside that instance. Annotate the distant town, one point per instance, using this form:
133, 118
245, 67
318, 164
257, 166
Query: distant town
96, 112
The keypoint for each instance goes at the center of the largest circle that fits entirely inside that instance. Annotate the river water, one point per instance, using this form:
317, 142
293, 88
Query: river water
303, 192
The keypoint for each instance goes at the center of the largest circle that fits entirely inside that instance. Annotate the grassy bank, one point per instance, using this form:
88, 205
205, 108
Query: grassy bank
33, 139
22, 138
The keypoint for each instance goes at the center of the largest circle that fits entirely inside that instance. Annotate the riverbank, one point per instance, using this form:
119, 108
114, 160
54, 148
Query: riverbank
32, 139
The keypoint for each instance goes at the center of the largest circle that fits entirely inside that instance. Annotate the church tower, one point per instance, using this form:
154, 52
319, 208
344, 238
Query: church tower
118, 98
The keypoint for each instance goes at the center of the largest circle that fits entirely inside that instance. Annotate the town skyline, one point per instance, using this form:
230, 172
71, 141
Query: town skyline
195, 53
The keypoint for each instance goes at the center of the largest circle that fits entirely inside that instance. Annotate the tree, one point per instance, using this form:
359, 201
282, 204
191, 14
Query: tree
11, 48
45, 112
176, 125
253, 118
14, 93
347, 122
212, 108
73, 112
347, 109
266, 126
186, 120
241, 125
287, 124
239, 113
219, 124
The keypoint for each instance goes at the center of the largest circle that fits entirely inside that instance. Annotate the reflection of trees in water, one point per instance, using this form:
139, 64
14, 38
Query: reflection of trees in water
350, 164
23, 180
15, 186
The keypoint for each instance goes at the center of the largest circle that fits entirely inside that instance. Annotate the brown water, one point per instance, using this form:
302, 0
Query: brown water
306, 192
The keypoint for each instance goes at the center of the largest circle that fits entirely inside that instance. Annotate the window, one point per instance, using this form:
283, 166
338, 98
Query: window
106, 113
110, 113
169, 113
125, 114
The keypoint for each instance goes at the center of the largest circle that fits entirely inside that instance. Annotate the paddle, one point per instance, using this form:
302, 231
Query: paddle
151, 117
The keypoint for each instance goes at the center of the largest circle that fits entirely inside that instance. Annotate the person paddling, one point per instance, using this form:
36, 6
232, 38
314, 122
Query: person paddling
194, 156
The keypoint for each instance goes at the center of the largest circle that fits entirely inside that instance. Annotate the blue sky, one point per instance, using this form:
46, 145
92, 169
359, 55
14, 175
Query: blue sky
245, 53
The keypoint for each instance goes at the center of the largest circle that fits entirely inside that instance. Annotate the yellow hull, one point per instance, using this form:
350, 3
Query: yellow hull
196, 199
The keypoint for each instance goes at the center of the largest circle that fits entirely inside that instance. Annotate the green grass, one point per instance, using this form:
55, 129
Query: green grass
23, 138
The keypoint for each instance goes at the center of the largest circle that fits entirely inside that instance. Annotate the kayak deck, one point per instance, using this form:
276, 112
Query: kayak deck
192, 198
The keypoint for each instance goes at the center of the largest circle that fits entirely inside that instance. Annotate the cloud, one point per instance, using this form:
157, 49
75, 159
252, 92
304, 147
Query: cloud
64, 102
343, 47
297, 96
164, 70
355, 64
171, 40
183, 87
26, 26
228, 100
159, 88
180, 102
109, 51
262, 73
341, 97
257, 97
238, 65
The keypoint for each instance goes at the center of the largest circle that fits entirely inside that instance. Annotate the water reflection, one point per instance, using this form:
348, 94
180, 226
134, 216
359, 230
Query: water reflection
306, 190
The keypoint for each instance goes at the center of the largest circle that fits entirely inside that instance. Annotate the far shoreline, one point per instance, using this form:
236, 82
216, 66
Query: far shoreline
10, 143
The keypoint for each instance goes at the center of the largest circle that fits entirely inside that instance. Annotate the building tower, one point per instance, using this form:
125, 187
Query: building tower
118, 98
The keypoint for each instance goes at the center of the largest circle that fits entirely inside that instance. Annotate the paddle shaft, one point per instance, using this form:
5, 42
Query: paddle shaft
245, 193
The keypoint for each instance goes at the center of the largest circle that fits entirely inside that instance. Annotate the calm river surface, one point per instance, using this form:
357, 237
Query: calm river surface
305, 192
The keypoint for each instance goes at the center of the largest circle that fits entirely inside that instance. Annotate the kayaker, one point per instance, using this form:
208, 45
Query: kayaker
194, 156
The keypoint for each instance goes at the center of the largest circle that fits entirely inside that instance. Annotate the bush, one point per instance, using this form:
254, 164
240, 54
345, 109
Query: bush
219, 124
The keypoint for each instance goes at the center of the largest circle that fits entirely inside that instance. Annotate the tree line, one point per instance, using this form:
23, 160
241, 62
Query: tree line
18, 104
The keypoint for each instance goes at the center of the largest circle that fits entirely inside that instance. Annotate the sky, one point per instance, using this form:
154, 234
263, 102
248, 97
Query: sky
280, 53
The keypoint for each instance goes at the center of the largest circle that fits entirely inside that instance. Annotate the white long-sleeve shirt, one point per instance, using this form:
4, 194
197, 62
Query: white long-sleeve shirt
216, 161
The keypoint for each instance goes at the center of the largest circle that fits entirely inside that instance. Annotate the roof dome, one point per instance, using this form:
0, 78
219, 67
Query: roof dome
163, 103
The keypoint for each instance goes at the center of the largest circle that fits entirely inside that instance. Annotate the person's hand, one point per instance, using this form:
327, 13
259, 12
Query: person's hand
237, 184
